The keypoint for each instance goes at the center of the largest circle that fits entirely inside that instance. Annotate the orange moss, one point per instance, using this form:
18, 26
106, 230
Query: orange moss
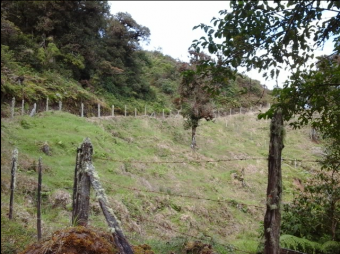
75, 240
142, 249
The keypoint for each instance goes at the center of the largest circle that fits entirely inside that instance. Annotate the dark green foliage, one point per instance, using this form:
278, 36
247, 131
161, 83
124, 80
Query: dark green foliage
80, 37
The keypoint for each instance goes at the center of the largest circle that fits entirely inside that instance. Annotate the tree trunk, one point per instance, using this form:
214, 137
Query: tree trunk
272, 219
193, 137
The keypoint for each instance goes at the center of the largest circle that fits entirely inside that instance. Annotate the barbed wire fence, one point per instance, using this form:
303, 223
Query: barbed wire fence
20, 107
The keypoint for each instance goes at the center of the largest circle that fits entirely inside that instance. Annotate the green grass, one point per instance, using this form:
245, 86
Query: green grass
148, 197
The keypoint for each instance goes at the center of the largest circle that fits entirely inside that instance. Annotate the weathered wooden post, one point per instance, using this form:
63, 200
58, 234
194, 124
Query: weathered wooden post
13, 107
13, 171
113, 110
272, 217
111, 219
125, 111
46, 104
60, 105
33, 110
98, 110
75, 186
163, 113
230, 112
82, 110
81, 201
23, 107
145, 110
135, 112
85, 175
39, 200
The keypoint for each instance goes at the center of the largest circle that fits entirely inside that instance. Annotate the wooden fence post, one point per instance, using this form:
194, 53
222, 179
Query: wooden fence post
111, 219
125, 111
98, 110
39, 200
113, 110
46, 104
13, 171
13, 107
145, 110
23, 107
135, 112
81, 200
60, 105
82, 110
272, 218
33, 110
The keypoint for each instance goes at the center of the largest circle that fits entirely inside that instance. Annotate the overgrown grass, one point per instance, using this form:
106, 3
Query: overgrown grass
164, 193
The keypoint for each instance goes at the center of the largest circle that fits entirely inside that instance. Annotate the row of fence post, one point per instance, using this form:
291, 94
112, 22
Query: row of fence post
34, 110
85, 176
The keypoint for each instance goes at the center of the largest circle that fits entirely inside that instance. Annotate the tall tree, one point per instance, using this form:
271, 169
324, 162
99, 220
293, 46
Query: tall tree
270, 36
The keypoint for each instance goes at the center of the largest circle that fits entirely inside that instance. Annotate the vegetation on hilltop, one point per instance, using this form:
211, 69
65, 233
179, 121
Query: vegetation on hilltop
80, 53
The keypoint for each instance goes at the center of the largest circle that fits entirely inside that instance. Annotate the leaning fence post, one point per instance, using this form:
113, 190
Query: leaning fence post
13, 170
12, 108
39, 200
81, 201
111, 219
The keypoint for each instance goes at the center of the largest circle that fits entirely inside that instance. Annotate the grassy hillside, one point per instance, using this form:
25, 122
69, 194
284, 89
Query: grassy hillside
163, 193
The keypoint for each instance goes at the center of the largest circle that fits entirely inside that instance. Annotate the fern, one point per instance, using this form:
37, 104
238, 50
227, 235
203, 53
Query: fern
299, 244
331, 247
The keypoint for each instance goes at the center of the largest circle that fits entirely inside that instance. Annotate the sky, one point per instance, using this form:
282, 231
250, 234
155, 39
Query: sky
171, 26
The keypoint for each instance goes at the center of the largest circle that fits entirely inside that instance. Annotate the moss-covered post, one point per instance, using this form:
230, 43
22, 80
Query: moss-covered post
111, 219
272, 219
39, 200
13, 170
81, 200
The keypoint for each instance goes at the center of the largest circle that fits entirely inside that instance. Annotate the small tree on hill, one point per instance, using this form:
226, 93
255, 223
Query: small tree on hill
195, 99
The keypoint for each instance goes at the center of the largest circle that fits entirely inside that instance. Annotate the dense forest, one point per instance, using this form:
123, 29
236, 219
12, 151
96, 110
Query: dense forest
47, 44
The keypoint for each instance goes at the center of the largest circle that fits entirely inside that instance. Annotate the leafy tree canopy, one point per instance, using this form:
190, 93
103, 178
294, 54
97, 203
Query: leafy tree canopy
275, 35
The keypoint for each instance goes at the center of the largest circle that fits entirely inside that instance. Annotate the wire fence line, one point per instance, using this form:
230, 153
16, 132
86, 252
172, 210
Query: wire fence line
208, 238
238, 205
98, 110
204, 161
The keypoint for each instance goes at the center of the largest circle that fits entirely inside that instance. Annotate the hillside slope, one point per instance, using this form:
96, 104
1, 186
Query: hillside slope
163, 193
